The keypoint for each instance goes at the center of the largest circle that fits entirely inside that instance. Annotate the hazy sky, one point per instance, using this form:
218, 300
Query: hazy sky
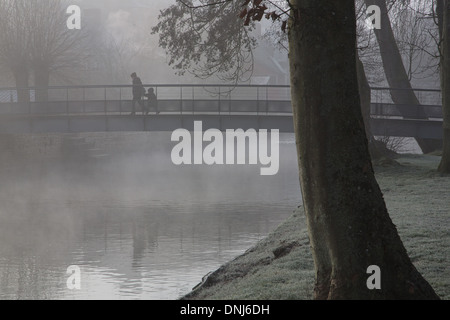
117, 4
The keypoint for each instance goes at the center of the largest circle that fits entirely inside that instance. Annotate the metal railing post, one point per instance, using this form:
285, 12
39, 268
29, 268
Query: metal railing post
220, 99
257, 100
105, 102
29, 101
156, 106
419, 98
11, 101
120, 100
229, 103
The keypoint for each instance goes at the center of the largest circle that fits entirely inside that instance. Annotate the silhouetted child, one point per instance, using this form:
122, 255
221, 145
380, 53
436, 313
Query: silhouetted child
152, 101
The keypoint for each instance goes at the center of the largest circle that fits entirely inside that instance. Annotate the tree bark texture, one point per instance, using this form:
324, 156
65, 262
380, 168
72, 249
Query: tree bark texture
444, 165
348, 223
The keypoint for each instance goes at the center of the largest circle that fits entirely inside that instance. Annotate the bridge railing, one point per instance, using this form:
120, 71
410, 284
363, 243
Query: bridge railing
425, 96
171, 98
430, 103
185, 98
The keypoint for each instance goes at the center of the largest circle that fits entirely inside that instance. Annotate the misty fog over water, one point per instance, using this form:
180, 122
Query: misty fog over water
136, 225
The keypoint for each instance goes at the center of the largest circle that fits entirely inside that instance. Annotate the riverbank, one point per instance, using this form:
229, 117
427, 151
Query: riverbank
280, 267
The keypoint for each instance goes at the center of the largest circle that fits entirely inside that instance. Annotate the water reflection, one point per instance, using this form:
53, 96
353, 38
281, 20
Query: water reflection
138, 226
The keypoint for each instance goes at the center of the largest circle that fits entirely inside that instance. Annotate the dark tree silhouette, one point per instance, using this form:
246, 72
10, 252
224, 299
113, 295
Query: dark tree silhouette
443, 15
348, 223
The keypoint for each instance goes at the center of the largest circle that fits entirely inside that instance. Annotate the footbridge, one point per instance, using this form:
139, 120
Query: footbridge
76, 109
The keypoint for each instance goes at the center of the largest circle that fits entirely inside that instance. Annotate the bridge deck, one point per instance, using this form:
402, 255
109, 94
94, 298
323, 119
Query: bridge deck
169, 121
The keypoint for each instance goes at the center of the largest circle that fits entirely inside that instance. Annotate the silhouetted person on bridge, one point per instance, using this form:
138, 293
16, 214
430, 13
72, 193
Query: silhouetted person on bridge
138, 91
152, 101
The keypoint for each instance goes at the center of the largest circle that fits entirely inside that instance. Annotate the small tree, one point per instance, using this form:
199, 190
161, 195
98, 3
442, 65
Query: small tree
35, 41
15, 44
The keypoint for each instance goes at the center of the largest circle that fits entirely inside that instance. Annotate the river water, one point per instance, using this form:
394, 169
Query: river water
137, 226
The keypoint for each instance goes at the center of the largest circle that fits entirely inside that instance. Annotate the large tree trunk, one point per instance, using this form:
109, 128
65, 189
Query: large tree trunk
348, 222
397, 77
21, 76
444, 12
